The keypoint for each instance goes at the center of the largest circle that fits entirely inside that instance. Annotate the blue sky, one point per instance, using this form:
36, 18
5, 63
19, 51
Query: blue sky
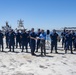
44, 14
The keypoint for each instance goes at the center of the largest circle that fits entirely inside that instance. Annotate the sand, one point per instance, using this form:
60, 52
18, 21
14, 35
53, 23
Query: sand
25, 64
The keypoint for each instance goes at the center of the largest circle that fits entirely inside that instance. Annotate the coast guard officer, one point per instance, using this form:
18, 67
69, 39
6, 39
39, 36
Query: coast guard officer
54, 38
24, 39
28, 39
68, 41
73, 33
7, 38
1, 40
11, 40
32, 41
75, 41
18, 39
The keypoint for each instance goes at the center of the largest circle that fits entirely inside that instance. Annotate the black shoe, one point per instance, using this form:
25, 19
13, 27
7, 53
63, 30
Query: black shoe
65, 52
13, 51
36, 50
51, 52
2, 51
74, 49
9, 51
42, 55
72, 53
22, 51
33, 54
56, 52
6, 47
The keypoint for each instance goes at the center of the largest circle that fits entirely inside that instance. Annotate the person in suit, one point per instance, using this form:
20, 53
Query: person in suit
38, 40
42, 42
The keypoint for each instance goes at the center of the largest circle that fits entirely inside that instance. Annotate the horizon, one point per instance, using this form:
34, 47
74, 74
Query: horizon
70, 27
44, 14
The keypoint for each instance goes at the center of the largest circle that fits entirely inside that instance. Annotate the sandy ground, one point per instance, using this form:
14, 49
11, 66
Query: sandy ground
25, 64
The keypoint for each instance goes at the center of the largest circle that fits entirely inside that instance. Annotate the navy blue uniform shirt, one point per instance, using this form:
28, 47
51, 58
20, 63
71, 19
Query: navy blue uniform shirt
24, 37
32, 34
18, 36
11, 37
54, 37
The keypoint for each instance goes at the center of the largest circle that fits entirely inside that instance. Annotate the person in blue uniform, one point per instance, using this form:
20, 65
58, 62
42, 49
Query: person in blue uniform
73, 33
14, 38
24, 37
32, 41
42, 42
75, 41
11, 40
38, 40
1, 40
18, 39
21, 37
68, 41
54, 37
28, 39
63, 37
7, 38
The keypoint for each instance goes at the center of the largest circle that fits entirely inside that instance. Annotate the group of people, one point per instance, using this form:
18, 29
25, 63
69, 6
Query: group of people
21, 39
68, 40
37, 40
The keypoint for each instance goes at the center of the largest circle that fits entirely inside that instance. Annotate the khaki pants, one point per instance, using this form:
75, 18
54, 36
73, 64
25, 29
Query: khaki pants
42, 46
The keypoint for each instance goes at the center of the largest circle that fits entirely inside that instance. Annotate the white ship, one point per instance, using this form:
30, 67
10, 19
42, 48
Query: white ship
20, 25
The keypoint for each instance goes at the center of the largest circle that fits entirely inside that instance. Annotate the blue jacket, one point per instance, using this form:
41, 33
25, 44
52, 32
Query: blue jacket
43, 35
